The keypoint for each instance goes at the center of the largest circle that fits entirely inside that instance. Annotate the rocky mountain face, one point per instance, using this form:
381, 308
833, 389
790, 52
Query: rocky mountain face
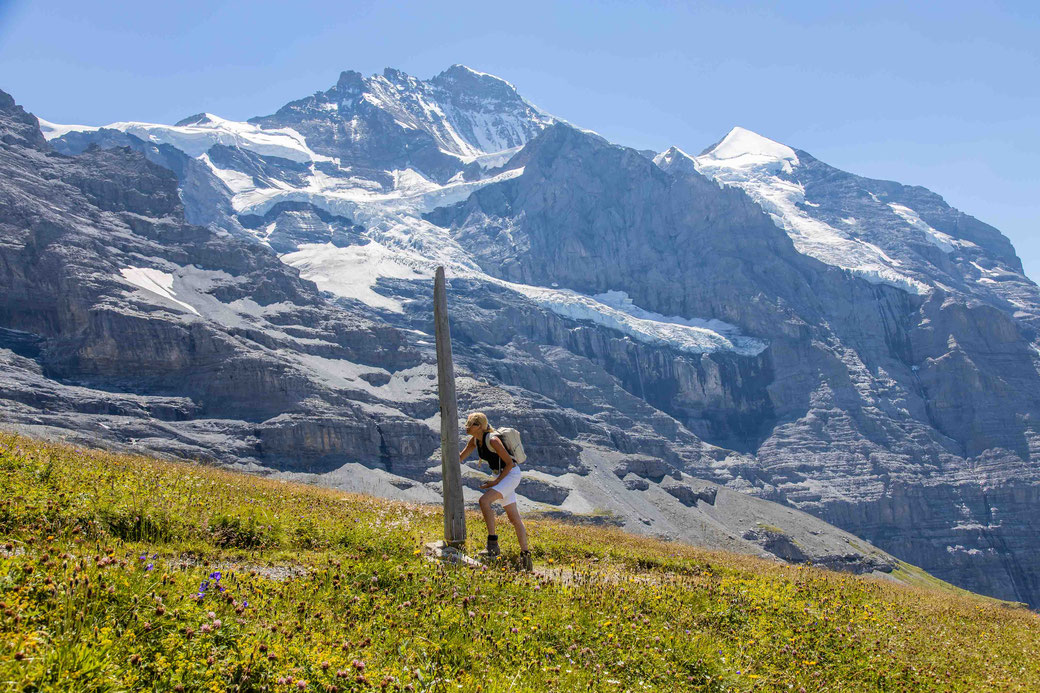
872, 399
681, 339
120, 318
395, 121
126, 325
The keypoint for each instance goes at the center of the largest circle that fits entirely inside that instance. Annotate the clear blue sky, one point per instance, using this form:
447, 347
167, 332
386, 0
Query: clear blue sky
940, 94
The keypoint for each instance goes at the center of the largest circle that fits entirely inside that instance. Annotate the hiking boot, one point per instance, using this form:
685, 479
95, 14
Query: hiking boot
492, 547
526, 562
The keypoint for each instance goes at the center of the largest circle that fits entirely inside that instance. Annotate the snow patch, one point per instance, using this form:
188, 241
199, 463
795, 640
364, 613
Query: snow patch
615, 310
154, 281
236, 181
942, 241
413, 194
53, 130
196, 139
352, 272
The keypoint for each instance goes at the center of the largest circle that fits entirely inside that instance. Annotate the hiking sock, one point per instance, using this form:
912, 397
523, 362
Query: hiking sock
492, 545
528, 562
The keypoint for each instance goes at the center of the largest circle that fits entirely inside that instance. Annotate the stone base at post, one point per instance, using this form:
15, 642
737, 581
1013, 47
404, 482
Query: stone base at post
445, 552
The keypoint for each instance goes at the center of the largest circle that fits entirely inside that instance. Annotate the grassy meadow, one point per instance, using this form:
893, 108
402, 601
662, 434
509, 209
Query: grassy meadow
126, 573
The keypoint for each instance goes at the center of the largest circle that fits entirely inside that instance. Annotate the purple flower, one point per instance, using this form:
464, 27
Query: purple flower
245, 603
215, 575
204, 586
142, 556
149, 566
220, 588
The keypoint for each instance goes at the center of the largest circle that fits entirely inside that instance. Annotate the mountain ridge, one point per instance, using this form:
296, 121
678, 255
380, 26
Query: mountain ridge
894, 393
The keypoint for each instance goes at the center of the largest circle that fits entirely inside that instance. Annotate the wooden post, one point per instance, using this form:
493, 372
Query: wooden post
451, 479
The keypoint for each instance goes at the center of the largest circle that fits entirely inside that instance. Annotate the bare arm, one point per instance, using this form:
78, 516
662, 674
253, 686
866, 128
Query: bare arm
507, 462
469, 448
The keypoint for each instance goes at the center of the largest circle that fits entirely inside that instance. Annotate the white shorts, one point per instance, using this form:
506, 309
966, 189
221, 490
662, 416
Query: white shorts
507, 487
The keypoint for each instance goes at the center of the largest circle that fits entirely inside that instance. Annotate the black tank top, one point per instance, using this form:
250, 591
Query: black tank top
485, 452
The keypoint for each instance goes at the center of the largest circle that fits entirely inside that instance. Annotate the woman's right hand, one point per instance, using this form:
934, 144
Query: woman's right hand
467, 450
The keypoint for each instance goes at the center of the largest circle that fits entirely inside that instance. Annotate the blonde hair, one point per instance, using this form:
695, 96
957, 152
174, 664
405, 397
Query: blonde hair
478, 417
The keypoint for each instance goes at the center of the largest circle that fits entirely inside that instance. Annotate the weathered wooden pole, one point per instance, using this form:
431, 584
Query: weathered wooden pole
451, 479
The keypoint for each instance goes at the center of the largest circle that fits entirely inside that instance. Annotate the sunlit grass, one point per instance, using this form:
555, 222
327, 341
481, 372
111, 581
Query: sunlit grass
124, 573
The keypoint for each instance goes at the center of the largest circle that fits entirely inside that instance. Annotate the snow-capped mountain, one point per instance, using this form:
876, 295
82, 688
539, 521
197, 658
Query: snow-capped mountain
394, 121
749, 316
281, 189
467, 113
874, 229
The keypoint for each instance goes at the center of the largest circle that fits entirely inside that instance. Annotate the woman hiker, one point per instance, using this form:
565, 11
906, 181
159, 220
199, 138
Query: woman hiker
490, 449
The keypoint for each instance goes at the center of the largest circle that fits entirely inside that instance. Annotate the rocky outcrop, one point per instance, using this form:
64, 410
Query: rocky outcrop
692, 496
288, 225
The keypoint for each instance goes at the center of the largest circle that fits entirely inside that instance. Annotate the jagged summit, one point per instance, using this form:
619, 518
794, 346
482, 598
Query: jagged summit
455, 73
396, 120
199, 119
677, 162
673, 159
674, 151
6, 100
462, 73
18, 126
459, 69
350, 81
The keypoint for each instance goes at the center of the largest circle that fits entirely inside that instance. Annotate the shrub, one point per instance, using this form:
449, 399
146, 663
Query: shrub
307, 535
239, 533
132, 524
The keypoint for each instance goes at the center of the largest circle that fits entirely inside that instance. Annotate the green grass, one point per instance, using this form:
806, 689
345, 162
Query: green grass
108, 582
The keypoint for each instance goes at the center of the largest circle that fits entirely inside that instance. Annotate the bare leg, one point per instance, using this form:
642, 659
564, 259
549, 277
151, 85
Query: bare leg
485, 507
521, 532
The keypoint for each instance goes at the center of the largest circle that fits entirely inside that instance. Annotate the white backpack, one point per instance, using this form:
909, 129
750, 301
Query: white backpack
511, 439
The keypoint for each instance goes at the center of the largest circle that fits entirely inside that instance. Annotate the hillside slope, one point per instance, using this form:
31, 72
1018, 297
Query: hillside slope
124, 573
